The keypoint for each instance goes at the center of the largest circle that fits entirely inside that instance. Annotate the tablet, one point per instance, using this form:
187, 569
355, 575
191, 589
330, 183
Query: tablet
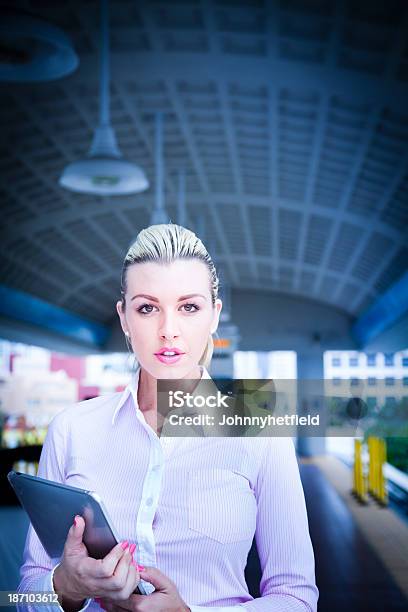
52, 507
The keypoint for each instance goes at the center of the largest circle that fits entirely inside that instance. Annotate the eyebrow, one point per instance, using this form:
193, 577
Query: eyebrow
154, 299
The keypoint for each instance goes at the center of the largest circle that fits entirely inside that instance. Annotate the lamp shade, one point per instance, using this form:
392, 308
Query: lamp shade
104, 176
33, 50
104, 171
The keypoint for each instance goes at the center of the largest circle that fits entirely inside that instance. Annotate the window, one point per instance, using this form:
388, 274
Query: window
371, 359
405, 362
389, 381
336, 362
389, 359
405, 381
372, 381
353, 362
354, 382
390, 400
336, 381
371, 401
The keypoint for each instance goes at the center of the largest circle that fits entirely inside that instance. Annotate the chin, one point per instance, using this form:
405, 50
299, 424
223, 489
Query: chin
161, 370
170, 373
175, 371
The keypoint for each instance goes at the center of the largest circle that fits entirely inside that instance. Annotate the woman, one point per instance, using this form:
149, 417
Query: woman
191, 505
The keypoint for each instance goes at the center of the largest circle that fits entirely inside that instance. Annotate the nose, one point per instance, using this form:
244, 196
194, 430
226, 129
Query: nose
168, 328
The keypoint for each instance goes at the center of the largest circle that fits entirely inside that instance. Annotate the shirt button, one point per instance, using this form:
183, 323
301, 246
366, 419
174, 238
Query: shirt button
149, 501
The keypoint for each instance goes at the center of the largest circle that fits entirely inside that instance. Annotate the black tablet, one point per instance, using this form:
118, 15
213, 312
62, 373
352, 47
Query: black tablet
52, 507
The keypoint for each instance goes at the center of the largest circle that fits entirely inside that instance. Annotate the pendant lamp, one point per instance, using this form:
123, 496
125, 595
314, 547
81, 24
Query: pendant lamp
104, 171
33, 50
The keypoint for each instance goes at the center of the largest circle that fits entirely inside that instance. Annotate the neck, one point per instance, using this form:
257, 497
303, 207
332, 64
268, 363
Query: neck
147, 388
147, 392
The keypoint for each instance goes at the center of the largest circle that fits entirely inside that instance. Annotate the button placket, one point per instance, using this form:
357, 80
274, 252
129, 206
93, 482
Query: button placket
150, 493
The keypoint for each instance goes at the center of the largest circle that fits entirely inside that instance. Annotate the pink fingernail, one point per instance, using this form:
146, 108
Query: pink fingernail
125, 544
132, 548
140, 568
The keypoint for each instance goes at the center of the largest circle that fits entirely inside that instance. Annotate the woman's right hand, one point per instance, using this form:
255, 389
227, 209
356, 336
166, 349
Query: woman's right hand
79, 576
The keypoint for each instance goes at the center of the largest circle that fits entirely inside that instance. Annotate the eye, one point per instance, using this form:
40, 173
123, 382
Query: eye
149, 306
188, 306
146, 309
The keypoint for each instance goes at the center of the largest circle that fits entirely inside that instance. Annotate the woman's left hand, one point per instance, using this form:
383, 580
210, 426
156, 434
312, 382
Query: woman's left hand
166, 597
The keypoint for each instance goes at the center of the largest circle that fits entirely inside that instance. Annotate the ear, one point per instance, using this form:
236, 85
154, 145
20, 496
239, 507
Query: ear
216, 317
122, 316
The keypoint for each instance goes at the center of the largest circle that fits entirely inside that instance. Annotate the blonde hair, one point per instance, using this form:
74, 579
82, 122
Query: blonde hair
165, 243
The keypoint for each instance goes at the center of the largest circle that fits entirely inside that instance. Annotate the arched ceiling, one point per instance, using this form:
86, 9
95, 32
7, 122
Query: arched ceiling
289, 118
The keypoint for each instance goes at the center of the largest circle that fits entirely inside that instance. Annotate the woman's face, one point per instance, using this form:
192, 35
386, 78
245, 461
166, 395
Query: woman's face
169, 305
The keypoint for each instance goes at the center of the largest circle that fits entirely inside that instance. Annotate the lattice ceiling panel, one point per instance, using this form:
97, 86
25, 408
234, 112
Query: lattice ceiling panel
289, 120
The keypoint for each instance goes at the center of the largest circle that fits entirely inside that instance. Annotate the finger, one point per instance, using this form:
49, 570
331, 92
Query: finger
73, 543
132, 580
128, 586
156, 578
119, 578
111, 585
106, 566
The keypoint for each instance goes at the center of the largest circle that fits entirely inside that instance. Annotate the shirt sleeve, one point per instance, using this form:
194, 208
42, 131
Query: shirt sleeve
37, 570
282, 535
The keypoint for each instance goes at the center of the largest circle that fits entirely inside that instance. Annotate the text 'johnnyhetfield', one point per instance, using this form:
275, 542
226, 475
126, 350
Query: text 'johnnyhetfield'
250, 421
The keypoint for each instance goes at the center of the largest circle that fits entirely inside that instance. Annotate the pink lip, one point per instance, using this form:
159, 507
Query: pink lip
168, 360
172, 349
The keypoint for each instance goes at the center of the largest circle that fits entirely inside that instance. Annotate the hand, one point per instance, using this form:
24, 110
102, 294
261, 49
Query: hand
166, 597
79, 576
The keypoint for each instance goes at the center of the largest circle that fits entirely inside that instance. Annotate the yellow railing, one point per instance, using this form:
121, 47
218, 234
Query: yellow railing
371, 480
377, 485
359, 478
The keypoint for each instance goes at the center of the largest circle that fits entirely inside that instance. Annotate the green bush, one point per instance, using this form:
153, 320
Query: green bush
397, 453
392, 425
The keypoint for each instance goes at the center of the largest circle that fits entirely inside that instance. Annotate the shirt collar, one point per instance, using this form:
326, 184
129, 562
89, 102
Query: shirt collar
132, 387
